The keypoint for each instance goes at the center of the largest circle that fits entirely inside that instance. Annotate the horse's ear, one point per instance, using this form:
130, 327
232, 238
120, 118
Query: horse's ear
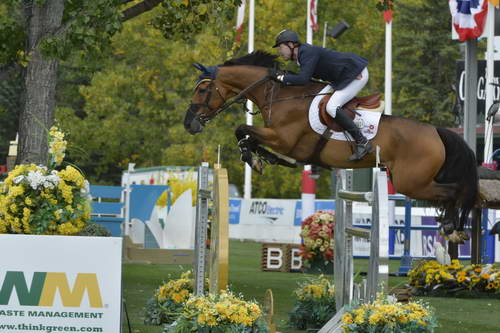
200, 67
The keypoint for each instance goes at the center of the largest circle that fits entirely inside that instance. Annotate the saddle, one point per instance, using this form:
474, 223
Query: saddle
370, 102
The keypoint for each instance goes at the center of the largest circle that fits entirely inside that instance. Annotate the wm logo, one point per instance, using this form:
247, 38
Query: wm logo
44, 286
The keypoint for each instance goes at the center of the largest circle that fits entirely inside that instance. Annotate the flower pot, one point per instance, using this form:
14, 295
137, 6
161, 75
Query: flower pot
317, 265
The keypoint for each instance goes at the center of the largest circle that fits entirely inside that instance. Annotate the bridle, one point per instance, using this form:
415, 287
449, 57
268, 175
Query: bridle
239, 98
213, 112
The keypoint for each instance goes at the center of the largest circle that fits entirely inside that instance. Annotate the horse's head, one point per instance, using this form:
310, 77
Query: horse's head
206, 100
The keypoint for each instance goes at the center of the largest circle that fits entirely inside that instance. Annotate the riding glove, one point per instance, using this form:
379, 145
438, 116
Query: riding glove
276, 75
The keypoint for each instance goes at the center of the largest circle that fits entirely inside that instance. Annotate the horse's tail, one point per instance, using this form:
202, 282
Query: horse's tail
460, 167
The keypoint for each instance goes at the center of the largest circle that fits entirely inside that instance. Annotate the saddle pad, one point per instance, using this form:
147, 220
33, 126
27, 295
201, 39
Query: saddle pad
367, 121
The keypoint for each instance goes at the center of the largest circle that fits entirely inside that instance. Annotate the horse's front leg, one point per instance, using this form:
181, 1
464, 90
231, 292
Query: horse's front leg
249, 140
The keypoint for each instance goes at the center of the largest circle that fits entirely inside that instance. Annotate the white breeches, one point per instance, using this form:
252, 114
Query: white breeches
340, 97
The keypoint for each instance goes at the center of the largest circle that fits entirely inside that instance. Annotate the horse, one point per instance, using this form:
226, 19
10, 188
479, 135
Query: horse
425, 162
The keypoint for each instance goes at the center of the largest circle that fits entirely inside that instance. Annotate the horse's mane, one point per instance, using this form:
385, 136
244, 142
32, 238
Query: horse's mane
256, 58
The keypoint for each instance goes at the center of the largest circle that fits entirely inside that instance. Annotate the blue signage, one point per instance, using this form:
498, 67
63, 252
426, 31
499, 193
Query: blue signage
318, 205
234, 211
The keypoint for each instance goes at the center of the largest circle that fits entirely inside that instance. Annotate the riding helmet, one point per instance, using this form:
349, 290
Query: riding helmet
286, 36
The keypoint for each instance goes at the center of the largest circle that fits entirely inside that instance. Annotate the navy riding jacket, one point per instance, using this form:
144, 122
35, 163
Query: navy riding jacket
338, 68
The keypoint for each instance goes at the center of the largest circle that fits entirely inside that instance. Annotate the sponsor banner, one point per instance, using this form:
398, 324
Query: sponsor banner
272, 220
318, 205
60, 283
234, 211
267, 212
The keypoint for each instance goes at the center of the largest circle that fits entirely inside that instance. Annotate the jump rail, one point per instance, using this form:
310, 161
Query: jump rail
346, 291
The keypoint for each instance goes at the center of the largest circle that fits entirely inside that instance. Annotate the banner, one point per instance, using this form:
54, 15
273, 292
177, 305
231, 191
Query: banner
313, 16
240, 18
60, 284
468, 17
267, 211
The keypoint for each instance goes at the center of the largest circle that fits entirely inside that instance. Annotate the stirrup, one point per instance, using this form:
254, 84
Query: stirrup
362, 149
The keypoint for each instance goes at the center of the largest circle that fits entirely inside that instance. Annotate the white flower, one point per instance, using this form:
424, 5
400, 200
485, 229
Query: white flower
86, 188
35, 179
51, 180
18, 179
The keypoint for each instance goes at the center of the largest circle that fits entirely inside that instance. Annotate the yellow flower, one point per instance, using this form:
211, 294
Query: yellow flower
15, 191
13, 208
485, 276
376, 318
70, 174
347, 318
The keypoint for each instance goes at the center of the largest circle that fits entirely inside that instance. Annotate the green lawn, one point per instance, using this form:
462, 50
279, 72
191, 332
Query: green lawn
454, 315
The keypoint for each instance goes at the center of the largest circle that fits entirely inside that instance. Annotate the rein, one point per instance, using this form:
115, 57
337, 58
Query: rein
239, 98
240, 95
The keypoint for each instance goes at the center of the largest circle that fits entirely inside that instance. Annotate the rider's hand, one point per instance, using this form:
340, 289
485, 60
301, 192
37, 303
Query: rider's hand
276, 75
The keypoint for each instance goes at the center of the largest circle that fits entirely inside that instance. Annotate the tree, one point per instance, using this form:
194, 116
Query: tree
424, 63
154, 77
54, 29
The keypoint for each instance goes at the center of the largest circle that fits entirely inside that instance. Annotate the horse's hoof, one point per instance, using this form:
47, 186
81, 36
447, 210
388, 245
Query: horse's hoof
454, 237
257, 165
464, 235
447, 228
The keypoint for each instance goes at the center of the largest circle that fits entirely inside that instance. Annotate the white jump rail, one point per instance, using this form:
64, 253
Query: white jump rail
346, 291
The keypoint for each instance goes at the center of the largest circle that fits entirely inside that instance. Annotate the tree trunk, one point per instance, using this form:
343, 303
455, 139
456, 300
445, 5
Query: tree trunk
41, 76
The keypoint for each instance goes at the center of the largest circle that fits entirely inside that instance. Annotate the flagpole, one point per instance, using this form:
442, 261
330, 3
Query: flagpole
308, 196
247, 193
488, 125
388, 67
324, 33
309, 35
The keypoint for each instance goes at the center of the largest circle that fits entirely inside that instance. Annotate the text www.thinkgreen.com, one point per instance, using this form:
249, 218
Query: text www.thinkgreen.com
46, 328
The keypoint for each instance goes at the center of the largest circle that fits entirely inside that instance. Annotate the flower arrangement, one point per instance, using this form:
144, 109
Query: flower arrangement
430, 277
168, 301
43, 200
314, 304
385, 315
223, 313
384, 5
317, 236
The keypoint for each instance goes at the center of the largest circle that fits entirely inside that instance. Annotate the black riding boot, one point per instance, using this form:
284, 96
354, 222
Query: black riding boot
363, 146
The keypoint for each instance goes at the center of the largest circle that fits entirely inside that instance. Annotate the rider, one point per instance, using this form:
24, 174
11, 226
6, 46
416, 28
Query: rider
346, 72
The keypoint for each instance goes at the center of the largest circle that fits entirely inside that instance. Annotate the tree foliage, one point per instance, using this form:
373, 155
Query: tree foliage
425, 62
124, 85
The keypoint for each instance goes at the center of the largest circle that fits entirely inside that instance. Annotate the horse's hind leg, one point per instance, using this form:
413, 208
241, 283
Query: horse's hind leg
418, 186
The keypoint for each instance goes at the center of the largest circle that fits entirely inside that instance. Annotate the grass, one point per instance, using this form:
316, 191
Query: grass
140, 281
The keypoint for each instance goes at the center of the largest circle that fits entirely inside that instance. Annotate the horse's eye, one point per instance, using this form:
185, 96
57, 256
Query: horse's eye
202, 90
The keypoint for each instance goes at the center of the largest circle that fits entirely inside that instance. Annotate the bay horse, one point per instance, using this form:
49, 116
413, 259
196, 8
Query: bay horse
425, 162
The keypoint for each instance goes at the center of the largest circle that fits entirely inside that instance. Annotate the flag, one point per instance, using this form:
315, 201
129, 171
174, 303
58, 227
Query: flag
313, 16
468, 17
239, 20
388, 16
